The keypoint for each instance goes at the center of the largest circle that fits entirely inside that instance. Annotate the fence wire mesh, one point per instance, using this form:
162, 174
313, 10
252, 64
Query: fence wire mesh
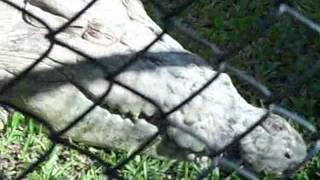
168, 19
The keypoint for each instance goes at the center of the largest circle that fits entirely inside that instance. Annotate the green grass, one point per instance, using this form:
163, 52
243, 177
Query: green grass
277, 60
22, 141
280, 57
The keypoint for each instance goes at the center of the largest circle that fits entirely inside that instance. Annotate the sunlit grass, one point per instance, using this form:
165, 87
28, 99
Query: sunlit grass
276, 60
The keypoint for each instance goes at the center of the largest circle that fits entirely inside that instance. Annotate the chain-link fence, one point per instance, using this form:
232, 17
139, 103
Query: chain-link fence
168, 18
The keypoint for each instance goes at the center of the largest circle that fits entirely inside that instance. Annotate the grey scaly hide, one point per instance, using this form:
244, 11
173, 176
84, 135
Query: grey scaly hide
65, 84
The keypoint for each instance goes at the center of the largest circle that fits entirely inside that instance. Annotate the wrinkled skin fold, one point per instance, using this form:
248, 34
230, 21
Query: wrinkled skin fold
65, 84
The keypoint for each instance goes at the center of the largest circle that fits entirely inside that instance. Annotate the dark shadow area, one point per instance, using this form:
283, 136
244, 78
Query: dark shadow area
97, 79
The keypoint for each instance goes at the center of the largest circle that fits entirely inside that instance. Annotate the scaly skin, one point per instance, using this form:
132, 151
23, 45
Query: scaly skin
167, 73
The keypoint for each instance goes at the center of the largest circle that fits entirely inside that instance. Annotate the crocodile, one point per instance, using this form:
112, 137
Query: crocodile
65, 84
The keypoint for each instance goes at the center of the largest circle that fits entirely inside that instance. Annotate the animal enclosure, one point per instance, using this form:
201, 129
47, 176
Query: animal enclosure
155, 113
